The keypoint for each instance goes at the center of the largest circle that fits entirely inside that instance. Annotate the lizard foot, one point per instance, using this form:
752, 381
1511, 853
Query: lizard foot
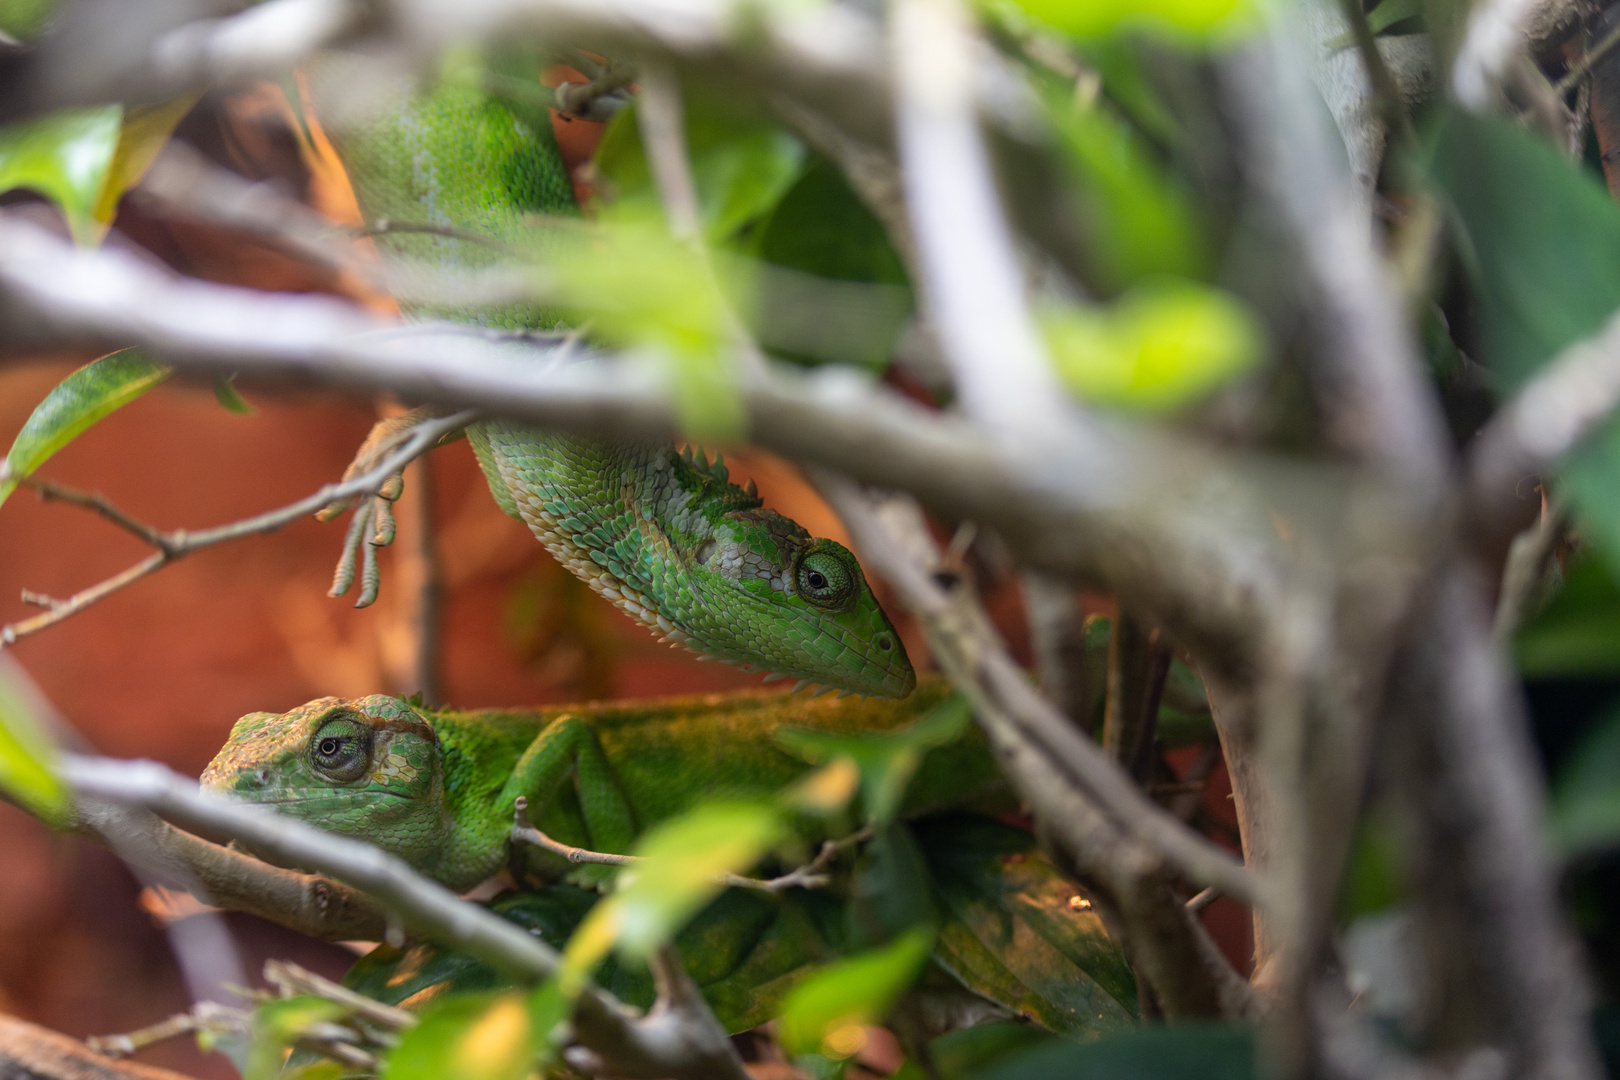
373, 524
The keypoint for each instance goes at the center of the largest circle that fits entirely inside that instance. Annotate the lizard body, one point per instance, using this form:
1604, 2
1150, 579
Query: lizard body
664, 536
438, 788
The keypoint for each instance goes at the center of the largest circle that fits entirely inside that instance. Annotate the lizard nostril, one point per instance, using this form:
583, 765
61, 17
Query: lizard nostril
259, 777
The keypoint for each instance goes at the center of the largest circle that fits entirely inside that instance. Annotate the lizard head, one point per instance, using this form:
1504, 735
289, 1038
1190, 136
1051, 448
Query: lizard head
797, 606
368, 769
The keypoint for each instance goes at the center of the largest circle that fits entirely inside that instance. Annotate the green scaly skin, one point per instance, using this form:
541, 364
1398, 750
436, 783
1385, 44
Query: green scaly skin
664, 536
438, 789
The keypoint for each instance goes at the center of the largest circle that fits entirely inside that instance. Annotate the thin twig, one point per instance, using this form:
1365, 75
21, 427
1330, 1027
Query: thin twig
1203, 899
1577, 71
180, 542
809, 876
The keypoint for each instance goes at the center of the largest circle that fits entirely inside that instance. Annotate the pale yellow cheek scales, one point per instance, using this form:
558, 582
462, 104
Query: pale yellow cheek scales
393, 767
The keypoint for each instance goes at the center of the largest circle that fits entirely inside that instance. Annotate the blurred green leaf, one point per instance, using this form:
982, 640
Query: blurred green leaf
957, 1055
67, 157
744, 950
1138, 221
1160, 347
889, 760
1577, 631
822, 229
639, 286
78, 401
741, 166
1584, 810
1375, 868
818, 1015
682, 861
229, 397
468, 1037
1017, 932
26, 753
1542, 240
26, 19
1184, 20
277, 1024
1175, 1052
1390, 17
1542, 243
144, 130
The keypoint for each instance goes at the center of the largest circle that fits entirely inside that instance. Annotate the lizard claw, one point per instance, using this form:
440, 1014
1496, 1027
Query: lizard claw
373, 525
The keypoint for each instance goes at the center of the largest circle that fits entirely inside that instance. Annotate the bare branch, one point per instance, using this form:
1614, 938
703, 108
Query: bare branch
1182, 532
181, 542
30, 1052
632, 1047
970, 270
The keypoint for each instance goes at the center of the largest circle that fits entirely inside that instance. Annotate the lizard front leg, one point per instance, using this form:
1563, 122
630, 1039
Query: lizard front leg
568, 748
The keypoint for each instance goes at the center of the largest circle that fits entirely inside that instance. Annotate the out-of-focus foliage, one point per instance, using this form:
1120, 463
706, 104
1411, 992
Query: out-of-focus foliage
1181, 1052
25, 19
887, 761
1577, 631
279, 1023
1585, 812
1159, 347
66, 157
83, 160
826, 1013
26, 753
1138, 218
639, 286
741, 167
1188, 20
1542, 244
683, 860
81, 399
468, 1037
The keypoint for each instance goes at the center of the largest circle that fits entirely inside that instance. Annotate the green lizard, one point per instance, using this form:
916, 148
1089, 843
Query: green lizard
663, 535
438, 789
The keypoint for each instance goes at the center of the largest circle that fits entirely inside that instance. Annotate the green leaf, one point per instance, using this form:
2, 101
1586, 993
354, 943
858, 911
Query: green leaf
1161, 347
640, 286
1577, 631
26, 753
1542, 240
1189, 21
819, 1015
889, 760
78, 401
144, 130
1137, 219
226, 394
1584, 810
1175, 1052
744, 950
1391, 17
1017, 932
741, 165
277, 1024
682, 860
469, 1037
25, 20
67, 157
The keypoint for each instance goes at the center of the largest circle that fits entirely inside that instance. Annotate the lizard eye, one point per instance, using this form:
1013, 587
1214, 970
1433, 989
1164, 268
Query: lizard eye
824, 580
341, 750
